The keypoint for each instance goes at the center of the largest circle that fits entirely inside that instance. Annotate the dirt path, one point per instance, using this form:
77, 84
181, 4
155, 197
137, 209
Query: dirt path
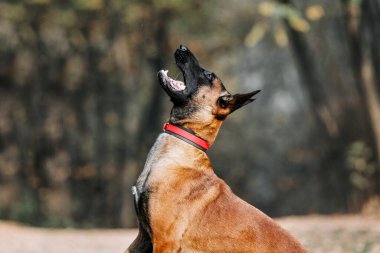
336, 234
327, 234
19, 239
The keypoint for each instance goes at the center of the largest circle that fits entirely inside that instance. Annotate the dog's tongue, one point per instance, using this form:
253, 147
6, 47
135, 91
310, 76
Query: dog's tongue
178, 85
175, 84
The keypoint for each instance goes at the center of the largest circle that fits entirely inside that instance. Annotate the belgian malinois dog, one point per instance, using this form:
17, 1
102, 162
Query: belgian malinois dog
182, 206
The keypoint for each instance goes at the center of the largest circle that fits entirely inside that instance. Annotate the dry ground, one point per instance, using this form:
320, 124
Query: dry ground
327, 234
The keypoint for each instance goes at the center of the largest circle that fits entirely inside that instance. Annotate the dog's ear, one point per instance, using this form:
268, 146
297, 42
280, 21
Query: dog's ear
229, 103
234, 102
240, 100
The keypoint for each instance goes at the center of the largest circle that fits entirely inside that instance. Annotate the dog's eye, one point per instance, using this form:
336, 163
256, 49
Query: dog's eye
209, 75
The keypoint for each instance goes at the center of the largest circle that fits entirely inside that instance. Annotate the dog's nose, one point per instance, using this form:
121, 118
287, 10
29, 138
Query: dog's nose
183, 48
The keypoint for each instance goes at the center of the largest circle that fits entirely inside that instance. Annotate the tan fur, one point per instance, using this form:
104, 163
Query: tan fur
191, 209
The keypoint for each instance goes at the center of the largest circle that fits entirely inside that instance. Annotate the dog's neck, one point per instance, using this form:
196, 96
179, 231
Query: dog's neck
207, 132
169, 153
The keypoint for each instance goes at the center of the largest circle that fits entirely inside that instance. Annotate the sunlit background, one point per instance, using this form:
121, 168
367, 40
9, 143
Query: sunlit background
80, 105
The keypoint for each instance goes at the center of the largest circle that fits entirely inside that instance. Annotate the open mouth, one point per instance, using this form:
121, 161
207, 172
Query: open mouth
167, 81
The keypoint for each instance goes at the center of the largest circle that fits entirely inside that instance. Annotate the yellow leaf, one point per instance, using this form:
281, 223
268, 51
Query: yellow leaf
299, 24
314, 12
266, 9
280, 36
255, 35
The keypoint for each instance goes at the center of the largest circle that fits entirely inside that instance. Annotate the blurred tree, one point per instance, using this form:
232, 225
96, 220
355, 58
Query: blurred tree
80, 105
345, 111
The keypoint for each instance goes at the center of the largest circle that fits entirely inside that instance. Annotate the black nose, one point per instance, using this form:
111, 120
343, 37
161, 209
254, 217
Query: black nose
183, 48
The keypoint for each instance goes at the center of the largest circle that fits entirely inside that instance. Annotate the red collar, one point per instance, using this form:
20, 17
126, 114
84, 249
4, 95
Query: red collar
186, 135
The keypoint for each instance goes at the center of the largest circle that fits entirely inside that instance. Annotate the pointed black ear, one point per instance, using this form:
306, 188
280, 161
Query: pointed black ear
240, 100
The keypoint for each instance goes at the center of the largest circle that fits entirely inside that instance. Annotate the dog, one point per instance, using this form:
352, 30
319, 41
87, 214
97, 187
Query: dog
182, 206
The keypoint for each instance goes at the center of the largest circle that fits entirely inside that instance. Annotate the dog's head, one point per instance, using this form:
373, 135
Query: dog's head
202, 96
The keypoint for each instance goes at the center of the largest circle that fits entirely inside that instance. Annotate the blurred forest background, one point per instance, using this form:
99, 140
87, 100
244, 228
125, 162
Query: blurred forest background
80, 105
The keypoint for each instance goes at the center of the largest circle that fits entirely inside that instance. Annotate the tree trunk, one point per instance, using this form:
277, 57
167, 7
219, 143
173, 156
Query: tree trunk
340, 122
363, 29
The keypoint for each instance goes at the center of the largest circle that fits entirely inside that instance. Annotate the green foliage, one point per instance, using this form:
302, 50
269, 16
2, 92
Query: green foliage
26, 210
355, 3
361, 166
89, 4
13, 12
38, 2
